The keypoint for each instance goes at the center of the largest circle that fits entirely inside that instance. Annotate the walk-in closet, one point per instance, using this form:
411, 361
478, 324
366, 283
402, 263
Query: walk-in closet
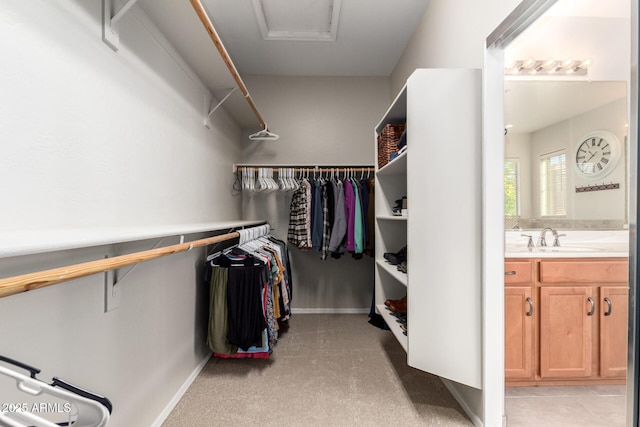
313, 213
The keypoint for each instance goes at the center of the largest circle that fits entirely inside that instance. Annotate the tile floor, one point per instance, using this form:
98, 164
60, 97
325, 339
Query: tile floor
583, 406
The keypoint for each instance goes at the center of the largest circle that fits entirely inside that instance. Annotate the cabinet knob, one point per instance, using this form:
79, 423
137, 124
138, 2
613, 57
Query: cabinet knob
530, 312
609, 307
509, 273
593, 306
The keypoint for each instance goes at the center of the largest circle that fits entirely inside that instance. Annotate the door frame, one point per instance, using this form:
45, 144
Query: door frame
527, 12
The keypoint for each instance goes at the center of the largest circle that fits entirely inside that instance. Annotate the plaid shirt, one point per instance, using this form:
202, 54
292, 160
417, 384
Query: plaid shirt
326, 226
298, 231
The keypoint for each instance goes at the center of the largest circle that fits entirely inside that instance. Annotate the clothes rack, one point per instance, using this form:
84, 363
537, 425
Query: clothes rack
250, 297
310, 169
260, 178
26, 282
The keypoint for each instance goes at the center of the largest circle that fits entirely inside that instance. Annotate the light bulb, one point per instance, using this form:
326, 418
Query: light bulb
568, 63
528, 63
548, 64
586, 63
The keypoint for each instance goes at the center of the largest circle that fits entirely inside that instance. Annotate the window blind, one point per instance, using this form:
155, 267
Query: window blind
512, 187
553, 184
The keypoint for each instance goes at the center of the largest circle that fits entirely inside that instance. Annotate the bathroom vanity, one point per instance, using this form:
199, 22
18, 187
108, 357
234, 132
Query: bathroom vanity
566, 309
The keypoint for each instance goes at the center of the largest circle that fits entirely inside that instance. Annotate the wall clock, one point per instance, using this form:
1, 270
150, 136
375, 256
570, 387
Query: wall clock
596, 154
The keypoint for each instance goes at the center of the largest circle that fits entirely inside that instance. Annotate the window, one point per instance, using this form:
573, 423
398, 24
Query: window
553, 184
512, 187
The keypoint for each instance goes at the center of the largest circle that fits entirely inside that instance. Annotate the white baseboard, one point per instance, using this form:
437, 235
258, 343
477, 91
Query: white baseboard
176, 398
329, 310
477, 422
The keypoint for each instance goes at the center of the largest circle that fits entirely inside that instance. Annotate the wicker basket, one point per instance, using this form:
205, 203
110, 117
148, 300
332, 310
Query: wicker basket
388, 143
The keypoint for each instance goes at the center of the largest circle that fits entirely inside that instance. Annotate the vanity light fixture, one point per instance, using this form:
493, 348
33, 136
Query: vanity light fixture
550, 66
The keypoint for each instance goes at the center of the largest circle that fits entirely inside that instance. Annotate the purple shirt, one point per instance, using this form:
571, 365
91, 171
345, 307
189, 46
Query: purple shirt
350, 209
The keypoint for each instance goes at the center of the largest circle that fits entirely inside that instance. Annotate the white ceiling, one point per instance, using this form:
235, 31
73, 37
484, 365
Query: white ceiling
577, 29
533, 105
371, 36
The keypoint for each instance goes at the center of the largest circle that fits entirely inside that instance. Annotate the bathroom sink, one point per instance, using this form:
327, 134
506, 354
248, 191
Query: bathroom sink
568, 249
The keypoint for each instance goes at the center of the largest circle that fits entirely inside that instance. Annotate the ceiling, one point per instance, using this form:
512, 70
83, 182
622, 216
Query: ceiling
533, 105
579, 29
371, 35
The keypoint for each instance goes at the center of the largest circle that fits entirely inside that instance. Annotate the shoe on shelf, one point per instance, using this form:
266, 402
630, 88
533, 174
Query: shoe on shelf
396, 258
403, 267
398, 306
390, 302
397, 209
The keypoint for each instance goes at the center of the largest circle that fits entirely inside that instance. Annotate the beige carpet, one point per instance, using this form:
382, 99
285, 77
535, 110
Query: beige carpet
327, 370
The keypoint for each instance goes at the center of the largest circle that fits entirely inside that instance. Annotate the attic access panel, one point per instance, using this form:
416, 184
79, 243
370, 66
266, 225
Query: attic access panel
300, 20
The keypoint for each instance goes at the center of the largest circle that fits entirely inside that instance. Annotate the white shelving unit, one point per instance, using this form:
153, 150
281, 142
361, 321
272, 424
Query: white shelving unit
440, 173
391, 230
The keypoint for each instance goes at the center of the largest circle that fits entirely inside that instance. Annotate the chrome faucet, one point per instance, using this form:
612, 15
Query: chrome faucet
542, 241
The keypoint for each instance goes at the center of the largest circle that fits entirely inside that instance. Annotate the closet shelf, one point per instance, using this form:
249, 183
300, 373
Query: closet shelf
391, 217
393, 271
29, 242
39, 279
397, 166
394, 326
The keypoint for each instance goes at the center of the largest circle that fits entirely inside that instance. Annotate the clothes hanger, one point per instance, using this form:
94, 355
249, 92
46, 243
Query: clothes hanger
91, 410
264, 135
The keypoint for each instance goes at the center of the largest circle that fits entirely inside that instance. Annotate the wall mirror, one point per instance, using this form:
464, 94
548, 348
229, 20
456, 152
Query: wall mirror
547, 177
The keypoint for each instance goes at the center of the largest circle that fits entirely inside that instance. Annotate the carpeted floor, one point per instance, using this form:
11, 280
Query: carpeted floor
327, 370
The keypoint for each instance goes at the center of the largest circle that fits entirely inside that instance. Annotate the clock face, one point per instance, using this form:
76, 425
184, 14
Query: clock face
597, 154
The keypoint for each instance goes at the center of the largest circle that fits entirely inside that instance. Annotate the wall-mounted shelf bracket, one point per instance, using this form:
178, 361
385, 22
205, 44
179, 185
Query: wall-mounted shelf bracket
112, 294
208, 111
110, 20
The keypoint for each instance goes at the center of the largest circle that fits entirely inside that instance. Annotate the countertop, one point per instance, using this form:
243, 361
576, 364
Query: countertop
576, 244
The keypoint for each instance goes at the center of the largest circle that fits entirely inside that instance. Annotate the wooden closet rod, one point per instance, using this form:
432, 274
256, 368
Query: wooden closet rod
26, 282
208, 25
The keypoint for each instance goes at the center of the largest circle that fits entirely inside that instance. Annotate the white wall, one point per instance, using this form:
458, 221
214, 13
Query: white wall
597, 205
452, 34
321, 121
90, 138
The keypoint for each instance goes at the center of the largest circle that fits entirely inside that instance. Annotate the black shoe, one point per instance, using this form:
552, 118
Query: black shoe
403, 267
396, 258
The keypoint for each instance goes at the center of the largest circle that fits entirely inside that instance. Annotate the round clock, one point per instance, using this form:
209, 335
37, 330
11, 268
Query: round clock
596, 154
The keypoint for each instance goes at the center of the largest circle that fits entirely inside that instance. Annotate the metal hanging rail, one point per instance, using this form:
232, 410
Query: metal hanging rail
27, 282
298, 168
208, 25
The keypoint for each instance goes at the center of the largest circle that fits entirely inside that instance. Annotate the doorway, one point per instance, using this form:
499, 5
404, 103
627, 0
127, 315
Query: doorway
525, 17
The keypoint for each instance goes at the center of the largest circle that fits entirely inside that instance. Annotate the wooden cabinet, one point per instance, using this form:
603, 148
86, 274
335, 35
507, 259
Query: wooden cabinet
519, 310
613, 331
577, 330
566, 327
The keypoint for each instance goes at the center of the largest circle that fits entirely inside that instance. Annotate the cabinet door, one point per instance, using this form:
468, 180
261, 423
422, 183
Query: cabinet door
566, 325
613, 332
519, 315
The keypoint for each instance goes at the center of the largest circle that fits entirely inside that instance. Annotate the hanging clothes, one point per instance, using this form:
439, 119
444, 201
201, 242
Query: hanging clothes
250, 293
338, 217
